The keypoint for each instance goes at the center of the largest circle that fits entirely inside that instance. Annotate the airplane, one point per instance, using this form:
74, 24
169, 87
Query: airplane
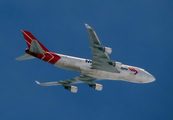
101, 67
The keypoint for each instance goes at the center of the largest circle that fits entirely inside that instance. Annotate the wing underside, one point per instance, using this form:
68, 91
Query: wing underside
80, 79
101, 60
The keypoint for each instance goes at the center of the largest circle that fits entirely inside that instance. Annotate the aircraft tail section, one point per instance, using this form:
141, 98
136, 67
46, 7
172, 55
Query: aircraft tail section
33, 44
37, 50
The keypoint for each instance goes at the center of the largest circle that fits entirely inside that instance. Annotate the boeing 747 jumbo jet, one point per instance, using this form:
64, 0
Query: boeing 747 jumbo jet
101, 67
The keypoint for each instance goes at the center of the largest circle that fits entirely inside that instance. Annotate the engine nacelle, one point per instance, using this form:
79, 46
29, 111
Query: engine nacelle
107, 50
73, 89
118, 64
97, 86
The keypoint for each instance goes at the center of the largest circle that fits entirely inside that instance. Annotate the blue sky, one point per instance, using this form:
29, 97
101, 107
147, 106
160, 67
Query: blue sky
138, 31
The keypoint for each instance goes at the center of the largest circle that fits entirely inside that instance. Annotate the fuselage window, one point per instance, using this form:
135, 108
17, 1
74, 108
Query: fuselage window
88, 61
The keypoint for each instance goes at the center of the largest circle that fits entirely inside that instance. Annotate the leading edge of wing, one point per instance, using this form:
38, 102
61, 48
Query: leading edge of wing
55, 83
79, 79
100, 59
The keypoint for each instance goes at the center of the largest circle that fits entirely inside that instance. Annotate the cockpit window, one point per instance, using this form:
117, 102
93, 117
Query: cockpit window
123, 68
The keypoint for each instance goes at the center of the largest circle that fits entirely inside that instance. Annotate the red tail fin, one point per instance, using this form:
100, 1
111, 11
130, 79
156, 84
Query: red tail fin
29, 37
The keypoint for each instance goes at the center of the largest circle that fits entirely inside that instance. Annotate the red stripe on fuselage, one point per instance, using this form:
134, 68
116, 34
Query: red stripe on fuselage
133, 70
49, 57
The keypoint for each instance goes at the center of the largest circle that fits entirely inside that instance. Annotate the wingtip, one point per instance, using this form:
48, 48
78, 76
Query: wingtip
37, 82
24, 31
87, 26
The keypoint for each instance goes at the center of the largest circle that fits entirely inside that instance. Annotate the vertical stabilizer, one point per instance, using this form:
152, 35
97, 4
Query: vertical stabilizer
32, 42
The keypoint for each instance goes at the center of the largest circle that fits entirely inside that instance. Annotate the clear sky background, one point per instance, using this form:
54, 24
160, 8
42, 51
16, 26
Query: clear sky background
140, 32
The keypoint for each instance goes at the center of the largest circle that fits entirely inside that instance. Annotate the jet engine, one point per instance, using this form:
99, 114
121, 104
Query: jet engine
96, 86
107, 50
73, 89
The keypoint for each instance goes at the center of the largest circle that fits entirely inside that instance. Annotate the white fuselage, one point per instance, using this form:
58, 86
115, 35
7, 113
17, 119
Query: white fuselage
83, 66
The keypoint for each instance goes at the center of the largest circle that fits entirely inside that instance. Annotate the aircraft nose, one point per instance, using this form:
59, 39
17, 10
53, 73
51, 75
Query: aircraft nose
148, 78
151, 78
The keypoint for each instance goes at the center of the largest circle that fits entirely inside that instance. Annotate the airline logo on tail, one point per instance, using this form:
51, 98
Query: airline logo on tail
36, 49
29, 38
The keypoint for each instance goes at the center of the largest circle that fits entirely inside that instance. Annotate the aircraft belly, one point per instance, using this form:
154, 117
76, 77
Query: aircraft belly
69, 65
115, 76
92, 72
130, 77
110, 75
101, 74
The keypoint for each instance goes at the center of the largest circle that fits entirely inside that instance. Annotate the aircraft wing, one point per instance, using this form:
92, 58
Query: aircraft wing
67, 83
79, 79
101, 60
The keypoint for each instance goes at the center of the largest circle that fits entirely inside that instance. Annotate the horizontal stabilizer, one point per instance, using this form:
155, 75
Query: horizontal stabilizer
24, 57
